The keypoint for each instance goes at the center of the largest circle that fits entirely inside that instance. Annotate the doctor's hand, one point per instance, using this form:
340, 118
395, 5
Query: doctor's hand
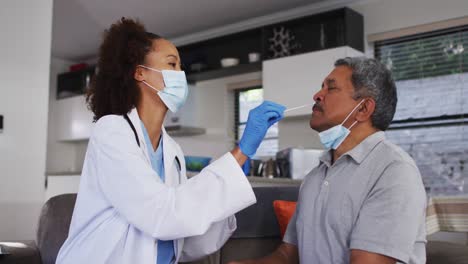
260, 119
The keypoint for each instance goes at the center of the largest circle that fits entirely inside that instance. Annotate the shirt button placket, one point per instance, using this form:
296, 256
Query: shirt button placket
326, 180
323, 194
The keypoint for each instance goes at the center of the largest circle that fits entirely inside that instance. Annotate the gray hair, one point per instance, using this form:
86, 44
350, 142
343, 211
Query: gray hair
371, 78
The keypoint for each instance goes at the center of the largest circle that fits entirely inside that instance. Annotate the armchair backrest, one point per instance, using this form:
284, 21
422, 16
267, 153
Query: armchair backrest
54, 223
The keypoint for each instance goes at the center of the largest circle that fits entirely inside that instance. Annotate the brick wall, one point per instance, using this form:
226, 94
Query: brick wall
440, 152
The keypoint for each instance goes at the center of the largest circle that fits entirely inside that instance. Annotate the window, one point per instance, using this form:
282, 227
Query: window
246, 100
431, 74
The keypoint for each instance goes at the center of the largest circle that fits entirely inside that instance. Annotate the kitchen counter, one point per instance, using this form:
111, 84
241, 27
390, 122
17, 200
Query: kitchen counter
265, 182
62, 173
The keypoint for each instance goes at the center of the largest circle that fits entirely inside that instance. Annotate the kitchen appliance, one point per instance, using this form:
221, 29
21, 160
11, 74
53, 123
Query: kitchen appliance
271, 169
74, 83
266, 168
282, 160
255, 167
296, 163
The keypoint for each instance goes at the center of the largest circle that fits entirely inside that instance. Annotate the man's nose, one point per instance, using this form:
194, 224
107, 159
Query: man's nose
318, 96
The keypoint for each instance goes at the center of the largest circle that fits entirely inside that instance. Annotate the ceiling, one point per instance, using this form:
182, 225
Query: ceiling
78, 24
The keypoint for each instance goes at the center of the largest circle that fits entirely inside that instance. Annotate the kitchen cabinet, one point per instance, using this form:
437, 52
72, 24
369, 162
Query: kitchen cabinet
74, 83
334, 28
73, 119
293, 81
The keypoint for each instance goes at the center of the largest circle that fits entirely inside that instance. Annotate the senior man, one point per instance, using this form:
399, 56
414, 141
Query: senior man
365, 202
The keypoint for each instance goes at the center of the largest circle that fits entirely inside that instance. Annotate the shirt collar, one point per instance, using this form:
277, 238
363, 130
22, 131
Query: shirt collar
325, 158
359, 152
158, 151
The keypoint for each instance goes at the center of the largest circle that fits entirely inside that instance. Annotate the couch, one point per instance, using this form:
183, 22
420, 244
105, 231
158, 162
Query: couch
257, 233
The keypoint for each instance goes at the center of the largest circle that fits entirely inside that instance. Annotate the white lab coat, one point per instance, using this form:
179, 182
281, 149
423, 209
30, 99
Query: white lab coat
123, 207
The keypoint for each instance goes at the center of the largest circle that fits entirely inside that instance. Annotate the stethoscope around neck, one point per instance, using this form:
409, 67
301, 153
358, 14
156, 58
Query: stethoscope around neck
179, 165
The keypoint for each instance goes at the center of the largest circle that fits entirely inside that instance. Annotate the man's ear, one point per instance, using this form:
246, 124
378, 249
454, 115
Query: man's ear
139, 74
365, 110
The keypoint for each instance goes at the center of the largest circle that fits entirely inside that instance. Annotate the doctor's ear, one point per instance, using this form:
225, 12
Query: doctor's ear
366, 109
139, 74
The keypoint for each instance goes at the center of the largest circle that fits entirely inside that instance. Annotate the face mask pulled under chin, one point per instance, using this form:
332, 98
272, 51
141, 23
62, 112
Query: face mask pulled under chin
175, 91
334, 136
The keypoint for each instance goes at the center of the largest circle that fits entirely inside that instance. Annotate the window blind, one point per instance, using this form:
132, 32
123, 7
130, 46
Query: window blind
430, 123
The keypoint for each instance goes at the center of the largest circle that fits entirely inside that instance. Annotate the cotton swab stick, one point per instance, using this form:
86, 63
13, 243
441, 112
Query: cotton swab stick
298, 107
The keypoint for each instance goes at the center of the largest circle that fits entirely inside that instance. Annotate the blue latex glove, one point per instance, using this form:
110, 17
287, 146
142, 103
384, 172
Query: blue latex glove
260, 119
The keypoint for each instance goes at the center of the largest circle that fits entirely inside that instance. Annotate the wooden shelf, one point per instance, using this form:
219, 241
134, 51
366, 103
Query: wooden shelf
223, 72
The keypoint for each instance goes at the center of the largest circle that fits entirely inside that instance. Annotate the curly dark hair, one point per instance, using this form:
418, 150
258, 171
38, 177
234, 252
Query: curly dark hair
114, 89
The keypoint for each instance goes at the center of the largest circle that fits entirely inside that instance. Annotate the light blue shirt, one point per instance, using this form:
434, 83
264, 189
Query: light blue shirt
166, 253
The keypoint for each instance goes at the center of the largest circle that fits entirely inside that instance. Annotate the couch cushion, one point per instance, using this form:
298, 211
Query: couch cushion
284, 211
439, 252
248, 248
54, 223
20, 252
214, 258
259, 220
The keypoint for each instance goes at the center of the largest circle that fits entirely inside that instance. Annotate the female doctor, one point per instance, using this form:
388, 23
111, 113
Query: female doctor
135, 204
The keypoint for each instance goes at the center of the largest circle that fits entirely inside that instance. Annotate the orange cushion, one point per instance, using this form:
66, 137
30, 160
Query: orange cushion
284, 210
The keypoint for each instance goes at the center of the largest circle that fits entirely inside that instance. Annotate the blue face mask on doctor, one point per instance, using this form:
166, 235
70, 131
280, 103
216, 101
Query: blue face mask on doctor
175, 89
333, 137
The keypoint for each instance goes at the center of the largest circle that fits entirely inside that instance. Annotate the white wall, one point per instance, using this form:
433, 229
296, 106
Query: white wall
382, 16
24, 82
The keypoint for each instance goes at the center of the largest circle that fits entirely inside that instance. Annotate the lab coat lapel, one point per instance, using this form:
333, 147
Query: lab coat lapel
169, 150
172, 176
169, 154
136, 121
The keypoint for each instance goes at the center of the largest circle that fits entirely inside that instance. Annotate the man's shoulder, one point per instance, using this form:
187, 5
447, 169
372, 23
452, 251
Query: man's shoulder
389, 153
389, 162
397, 165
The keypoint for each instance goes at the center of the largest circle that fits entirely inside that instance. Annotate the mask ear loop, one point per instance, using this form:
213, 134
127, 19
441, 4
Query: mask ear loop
148, 68
151, 86
151, 69
352, 111
355, 122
